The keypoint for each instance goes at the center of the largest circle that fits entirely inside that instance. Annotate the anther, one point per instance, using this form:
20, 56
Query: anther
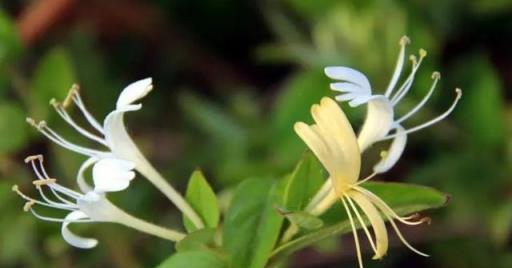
34, 157
28, 205
459, 93
31, 122
383, 154
413, 59
15, 188
41, 124
436, 75
39, 183
405, 40
69, 98
54, 103
423, 53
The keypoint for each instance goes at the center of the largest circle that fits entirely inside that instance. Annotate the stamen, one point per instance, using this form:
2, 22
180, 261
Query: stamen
28, 205
401, 237
385, 208
432, 121
399, 65
94, 123
33, 158
436, 76
73, 91
354, 232
366, 179
406, 86
363, 224
64, 115
52, 219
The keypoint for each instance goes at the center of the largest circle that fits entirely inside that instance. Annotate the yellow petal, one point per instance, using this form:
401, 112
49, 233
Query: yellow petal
381, 235
313, 140
341, 139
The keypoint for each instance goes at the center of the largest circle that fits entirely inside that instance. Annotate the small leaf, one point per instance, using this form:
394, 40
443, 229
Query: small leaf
303, 183
304, 220
198, 240
194, 259
203, 200
403, 198
252, 224
53, 77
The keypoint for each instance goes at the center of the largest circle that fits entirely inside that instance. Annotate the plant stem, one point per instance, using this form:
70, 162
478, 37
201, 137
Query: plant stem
146, 169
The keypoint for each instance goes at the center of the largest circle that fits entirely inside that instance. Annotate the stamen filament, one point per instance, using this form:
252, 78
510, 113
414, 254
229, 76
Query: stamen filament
363, 224
402, 91
399, 65
436, 76
432, 121
94, 123
354, 232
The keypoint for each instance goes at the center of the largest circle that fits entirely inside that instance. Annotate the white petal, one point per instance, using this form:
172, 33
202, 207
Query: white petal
80, 179
349, 75
134, 92
379, 119
111, 174
348, 87
72, 239
395, 151
117, 137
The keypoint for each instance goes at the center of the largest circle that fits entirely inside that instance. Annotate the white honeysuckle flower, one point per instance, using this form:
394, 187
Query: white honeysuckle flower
83, 207
381, 123
113, 135
113, 166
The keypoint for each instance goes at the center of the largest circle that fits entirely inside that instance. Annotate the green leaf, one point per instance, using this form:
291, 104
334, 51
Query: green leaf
252, 224
304, 220
198, 240
53, 77
10, 45
12, 127
194, 259
403, 198
203, 200
303, 183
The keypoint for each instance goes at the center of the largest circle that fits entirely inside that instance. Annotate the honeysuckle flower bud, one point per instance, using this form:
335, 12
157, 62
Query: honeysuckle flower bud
83, 207
112, 167
381, 120
334, 143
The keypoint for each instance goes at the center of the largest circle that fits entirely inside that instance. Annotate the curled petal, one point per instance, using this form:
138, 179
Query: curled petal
378, 122
72, 239
134, 92
80, 179
395, 152
112, 174
117, 137
349, 75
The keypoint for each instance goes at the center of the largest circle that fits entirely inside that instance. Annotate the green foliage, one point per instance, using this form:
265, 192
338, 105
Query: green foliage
203, 200
52, 78
304, 220
13, 127
194, 259
197, 240
10, 45
252, 224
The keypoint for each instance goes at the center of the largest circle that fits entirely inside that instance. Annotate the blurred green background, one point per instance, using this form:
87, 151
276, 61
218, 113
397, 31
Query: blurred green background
231, 77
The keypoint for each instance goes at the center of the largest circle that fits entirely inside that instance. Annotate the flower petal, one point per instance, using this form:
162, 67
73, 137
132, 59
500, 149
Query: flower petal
117, 138
395, 152
375, 218
379, 119
80, 179
112, 174
349, 75
134, 92
72, 239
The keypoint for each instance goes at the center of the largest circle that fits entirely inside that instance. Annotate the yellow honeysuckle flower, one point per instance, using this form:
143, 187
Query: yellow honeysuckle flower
334, 143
